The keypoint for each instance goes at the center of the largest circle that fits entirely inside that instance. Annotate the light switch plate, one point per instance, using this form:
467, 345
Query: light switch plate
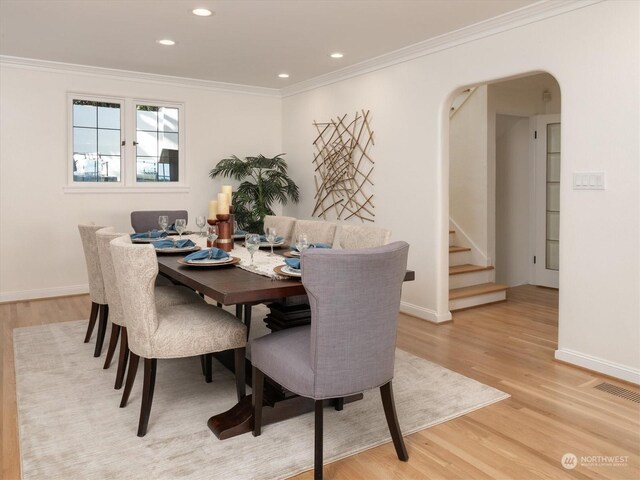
588, 180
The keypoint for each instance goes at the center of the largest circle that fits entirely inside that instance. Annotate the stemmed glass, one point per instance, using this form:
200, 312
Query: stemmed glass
302, 242
252, 243
201, 222
212, 236
163, 222
271, 236
181, 225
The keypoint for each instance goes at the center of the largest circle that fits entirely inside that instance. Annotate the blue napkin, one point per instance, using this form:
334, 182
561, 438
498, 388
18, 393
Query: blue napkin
151, 234
216, 253
263, 238
171, 244
293, 263
315, 245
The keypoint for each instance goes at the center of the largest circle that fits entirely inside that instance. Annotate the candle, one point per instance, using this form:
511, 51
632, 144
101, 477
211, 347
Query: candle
228, 190
223, 204
213, 209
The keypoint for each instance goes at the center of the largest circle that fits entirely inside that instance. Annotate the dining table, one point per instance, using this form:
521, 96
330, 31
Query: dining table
237, 285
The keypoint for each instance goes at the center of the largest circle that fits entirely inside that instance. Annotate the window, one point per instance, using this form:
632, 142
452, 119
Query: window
96, 141
103, 157
157, 141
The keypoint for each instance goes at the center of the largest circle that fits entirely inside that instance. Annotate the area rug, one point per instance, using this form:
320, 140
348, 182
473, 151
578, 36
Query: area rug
71, 427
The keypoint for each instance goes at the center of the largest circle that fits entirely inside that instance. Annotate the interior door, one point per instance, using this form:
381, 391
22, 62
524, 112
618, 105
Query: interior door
547, 201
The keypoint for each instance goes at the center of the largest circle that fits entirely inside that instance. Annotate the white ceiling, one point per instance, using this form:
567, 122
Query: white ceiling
245, 42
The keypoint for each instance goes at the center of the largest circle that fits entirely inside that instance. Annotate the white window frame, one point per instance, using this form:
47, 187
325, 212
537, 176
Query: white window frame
128, 182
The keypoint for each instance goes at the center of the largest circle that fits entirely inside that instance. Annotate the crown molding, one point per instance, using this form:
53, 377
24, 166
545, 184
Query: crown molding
60, 67
523, 16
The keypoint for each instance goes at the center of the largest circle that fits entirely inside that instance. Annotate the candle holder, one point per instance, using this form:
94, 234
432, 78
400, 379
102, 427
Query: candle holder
225, 239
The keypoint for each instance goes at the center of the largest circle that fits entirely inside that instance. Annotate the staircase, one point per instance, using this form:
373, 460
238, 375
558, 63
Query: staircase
470, 285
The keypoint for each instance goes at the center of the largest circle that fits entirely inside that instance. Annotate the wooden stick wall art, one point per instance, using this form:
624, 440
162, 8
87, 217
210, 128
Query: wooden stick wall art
343, 168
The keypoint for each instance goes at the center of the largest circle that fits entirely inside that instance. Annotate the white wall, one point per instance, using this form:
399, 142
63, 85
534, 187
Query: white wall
593, 52
468, 170
40, 250
512, 259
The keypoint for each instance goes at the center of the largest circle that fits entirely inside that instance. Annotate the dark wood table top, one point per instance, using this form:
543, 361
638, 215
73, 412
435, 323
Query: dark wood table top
230, 285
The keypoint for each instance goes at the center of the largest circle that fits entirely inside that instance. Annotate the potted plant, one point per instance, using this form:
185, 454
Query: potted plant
263, 182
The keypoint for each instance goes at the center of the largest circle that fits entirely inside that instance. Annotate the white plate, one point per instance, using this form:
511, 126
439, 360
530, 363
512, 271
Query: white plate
268, 245
290, 271
206, 261
178, 250
294, 253
147, 240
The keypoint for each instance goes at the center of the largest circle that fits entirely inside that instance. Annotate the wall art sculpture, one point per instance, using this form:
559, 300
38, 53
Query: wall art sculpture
343, 168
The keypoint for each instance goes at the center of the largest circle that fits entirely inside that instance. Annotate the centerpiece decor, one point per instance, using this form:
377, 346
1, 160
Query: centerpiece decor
264, 181
343, 168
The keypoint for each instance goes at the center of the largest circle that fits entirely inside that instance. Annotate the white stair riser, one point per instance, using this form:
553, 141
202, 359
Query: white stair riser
472, 278
452, 239
459, 258
467, 302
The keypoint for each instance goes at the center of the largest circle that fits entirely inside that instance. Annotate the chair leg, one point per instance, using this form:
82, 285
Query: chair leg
317, 456
113, 341
92, 321
239, 367
122, 359
386, 392
131, 378
339, 404
257, 384
102, 329
208, 367
150, 365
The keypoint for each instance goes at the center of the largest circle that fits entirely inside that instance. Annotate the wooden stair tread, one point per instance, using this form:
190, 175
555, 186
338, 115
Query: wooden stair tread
467, 268
455, 248
452, 231
473, 290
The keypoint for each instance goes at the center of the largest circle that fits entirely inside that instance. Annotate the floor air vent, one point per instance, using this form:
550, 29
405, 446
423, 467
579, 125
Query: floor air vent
619, 392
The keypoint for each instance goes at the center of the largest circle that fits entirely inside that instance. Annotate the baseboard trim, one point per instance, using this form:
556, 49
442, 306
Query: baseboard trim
21, 295
424, 313
606, 367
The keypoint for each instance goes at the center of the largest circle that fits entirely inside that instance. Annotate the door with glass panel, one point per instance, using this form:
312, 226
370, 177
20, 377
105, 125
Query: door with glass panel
547, 201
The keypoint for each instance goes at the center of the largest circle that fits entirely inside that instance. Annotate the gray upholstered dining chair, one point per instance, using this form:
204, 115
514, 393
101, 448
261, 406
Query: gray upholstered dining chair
146, 220
283, 226
361, 236
97, 294
165, 296
173, 332
349, 346
317, 231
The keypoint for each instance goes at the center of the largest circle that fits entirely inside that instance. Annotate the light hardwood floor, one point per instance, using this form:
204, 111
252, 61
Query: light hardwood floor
554, 408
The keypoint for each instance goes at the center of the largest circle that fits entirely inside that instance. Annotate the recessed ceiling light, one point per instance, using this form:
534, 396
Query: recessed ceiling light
283, 75
202, 12
166, 41
336, 55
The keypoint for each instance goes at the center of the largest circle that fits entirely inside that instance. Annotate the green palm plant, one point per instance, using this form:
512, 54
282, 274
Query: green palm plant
264, 181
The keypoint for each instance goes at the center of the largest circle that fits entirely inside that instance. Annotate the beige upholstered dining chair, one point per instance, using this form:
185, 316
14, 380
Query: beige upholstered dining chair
145, 220
96, 285
349, 346
362, 236
173, 332
317, 231
165, 296
283, 226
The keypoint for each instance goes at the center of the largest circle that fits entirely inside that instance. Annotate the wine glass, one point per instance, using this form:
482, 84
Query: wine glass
212, 235
181, 225
302, 242
252, 243
201, 222
271, 238
163, 222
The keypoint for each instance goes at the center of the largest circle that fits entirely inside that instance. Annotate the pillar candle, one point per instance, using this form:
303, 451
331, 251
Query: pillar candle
213, 209
228, 190
223, 204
